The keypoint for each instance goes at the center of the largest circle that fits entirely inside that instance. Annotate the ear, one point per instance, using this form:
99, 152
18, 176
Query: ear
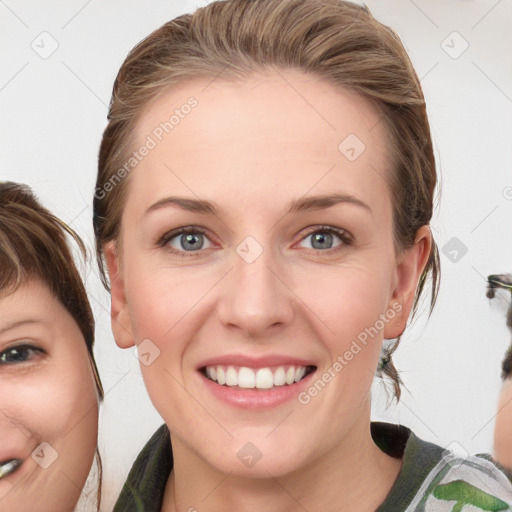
119, 311
410, 266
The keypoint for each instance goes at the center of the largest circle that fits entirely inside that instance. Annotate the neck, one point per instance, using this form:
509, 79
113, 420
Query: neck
354, 475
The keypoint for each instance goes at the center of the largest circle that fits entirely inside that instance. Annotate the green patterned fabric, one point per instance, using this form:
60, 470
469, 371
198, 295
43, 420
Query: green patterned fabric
431, 479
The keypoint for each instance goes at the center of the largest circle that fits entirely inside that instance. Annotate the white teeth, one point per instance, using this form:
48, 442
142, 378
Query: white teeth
231, 377
299, 373
262, 378
279, 377
246, 378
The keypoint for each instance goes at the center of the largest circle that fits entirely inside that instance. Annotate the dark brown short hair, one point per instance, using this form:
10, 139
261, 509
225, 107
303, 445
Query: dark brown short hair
33, 245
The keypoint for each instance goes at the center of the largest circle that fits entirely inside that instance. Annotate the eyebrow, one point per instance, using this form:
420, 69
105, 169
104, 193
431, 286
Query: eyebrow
18, 323
298, 205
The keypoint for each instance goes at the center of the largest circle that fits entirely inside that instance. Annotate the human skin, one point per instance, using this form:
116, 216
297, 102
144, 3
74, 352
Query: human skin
253, 147
503, 426
48, 396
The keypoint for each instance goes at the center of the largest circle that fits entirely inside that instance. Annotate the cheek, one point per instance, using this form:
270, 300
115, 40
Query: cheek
346, 301
160, 297
55, 405
349, 305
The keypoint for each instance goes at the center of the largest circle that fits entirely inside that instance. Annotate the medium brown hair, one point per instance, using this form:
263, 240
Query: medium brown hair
33, 245
334, 40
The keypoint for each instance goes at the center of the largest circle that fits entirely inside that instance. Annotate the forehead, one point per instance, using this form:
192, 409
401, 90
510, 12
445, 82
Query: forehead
277, 129
32, 304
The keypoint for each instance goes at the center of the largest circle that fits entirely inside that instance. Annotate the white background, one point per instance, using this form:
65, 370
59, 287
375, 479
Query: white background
54, 111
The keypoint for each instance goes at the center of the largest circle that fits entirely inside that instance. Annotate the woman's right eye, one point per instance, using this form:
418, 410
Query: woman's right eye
19, 354
186, 240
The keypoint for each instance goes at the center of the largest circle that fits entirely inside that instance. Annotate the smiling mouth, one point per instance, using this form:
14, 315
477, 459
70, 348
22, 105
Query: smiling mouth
259, 378
9, 466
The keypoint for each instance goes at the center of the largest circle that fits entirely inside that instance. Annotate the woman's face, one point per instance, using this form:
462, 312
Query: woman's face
286, 271
48, 405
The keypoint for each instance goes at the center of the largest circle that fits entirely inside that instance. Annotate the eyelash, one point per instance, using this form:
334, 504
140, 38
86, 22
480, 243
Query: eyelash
20, 348
165, 239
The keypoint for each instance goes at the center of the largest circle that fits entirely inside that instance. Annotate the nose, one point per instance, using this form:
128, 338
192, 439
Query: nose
255, 297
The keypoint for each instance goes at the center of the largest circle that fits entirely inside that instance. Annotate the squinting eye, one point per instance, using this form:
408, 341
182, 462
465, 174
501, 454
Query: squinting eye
19, 354
323, 238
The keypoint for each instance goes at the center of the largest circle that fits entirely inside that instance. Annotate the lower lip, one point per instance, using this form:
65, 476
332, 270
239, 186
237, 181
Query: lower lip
256, 399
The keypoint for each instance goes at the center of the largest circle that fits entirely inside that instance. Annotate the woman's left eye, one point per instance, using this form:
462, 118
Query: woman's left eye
19, 354
325, 236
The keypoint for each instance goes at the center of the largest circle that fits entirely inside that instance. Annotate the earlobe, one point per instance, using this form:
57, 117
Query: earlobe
119, 311
408, 272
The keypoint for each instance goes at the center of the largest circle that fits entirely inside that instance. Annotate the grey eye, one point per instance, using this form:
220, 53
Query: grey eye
322, 239
189, 242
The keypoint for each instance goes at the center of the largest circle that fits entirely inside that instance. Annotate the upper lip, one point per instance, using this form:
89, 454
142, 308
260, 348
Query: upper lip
12, 448
255, 361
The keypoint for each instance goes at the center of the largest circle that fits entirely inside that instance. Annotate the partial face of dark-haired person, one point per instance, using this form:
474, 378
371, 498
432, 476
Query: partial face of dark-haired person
50, 386
48, 403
